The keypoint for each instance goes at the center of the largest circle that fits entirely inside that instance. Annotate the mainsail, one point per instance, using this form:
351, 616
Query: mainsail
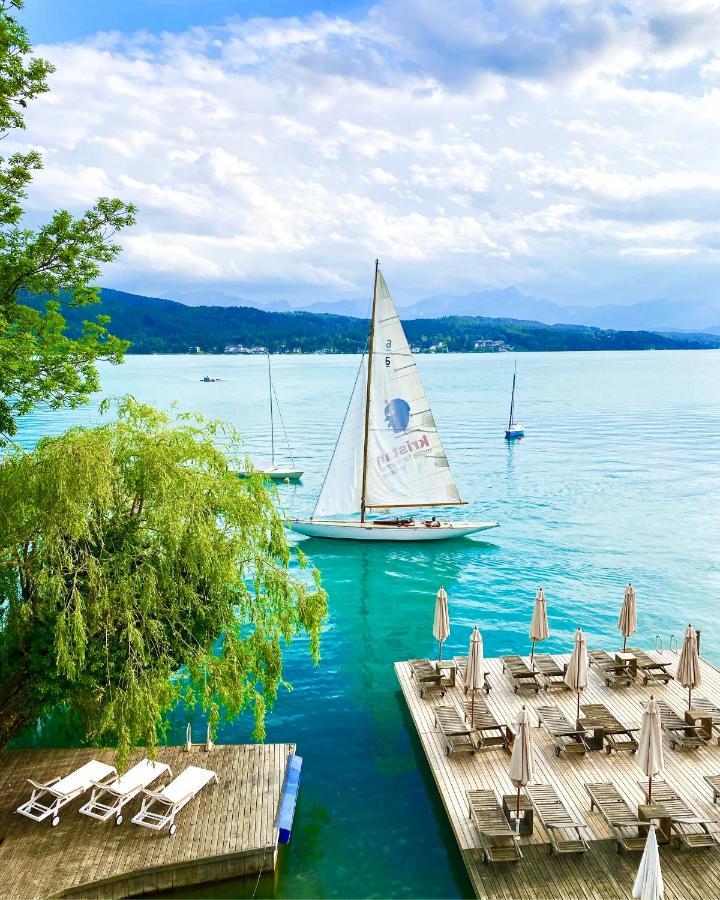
406, 464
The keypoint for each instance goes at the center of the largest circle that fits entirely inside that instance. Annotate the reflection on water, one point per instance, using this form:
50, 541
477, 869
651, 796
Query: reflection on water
617, 478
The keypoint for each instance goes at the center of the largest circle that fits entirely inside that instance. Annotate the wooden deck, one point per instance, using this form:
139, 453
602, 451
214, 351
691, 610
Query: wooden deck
601, 872
228, 831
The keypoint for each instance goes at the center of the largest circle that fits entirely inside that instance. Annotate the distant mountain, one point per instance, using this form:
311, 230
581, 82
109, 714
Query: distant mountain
153, 325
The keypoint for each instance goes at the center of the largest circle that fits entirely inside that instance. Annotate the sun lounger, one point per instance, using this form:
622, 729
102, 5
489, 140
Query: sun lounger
521, 675
498, 840
108, 799
566, 737
653, 670
679, 732
159, 808
690, 829
457, 735
607, 730
552, 672
565, 832
629, 831
714, 782
429, 679
461, 663
614, 673
49, 798
489, 732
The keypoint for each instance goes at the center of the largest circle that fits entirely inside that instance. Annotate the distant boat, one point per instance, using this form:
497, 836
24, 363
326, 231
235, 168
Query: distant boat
389, 454
514, 429
208, 379
270, 469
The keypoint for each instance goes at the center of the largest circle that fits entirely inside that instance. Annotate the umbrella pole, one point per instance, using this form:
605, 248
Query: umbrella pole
624, 642
649, 789
689, 697
440, 651
532, 652
472, 709
577, 716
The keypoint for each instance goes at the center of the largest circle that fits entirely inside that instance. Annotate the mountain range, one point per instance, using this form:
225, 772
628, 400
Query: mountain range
511, 303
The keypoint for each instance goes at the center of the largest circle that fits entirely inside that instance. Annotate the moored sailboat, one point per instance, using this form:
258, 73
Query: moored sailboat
514, 429
389, 454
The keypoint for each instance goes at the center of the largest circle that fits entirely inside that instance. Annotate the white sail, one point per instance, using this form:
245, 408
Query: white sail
342, 489
406, 462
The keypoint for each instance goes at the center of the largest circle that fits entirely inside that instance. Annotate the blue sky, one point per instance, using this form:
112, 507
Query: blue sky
567, 147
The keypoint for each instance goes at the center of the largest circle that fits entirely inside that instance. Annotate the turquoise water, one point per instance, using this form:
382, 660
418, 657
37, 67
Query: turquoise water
618, 478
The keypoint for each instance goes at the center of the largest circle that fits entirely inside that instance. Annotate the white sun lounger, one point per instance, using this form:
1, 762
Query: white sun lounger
159, 808
108, 799
48, 799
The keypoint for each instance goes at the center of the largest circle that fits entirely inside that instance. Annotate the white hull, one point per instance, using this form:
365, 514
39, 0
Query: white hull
370, 531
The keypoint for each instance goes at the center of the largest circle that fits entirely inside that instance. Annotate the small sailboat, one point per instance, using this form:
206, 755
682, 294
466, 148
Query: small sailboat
514, 429
389, 454
271, 469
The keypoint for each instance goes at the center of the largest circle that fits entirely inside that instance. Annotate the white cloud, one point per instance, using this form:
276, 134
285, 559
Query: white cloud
557, 146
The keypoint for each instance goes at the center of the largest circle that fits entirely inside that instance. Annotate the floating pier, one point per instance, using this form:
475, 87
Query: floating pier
601, 872
228, 831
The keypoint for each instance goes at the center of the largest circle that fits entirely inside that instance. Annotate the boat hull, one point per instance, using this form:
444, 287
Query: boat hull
276, 475
369, 531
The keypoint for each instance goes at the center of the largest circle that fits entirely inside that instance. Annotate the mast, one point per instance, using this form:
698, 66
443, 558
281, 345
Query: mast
367, 394
272, 421
512, 399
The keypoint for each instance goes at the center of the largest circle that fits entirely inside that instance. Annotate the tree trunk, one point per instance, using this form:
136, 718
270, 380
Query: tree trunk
16, 709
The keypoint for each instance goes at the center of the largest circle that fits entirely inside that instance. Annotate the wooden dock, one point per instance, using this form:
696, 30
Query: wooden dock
228, 831
601, 872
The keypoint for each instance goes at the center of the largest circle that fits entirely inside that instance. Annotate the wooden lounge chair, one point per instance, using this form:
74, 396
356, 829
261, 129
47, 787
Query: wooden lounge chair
629, 831
489, 732
614, 673
566, 737
714, 782
690, 829
159, 808
108, 799
565, 832
654, 671
461, 664
712, 710
48, 799
552, 672
498, 839
458, 736
429, 679
521, 675
679, 732
607, 730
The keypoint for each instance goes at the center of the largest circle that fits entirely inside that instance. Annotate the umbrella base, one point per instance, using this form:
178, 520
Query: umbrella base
509, 803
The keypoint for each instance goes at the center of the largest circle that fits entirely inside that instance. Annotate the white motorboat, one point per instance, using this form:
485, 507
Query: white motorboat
389, 454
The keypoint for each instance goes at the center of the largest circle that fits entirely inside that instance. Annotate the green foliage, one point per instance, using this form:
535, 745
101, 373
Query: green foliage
61, 259
135, 571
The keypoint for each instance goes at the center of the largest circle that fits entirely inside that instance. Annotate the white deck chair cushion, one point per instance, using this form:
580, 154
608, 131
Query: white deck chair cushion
190, 781
82, 777
140, 776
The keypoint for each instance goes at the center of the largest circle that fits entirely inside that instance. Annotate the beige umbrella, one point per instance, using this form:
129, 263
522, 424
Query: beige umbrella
650, 748
688, 670
577, 671
649, 881
473, 677
522, 761
539, 625
627, 623
441, 624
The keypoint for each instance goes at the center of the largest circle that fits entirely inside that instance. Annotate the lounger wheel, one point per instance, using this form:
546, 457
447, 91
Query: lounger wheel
173, 828
608, 750
515, 689
645, 681
55, 821
672, 745
119, 819
558, 751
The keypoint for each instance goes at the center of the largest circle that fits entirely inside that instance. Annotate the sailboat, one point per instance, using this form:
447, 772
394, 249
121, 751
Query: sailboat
514, 429
389, 454
270, 469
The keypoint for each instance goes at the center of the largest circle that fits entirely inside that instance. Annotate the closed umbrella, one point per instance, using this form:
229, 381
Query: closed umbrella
539, 625
441, 624
577, 671
650, 748
473, 678
649, 881
627, 623
522, 761
688, 670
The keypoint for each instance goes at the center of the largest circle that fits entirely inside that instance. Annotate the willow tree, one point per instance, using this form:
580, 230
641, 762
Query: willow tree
136, 571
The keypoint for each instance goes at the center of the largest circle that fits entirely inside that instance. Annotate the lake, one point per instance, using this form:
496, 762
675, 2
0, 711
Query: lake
618, 478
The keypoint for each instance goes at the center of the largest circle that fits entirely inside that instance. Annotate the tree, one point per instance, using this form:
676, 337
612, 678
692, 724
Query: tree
137, 571
39, 363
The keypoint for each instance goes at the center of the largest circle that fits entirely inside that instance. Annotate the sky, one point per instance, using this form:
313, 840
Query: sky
274, 150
